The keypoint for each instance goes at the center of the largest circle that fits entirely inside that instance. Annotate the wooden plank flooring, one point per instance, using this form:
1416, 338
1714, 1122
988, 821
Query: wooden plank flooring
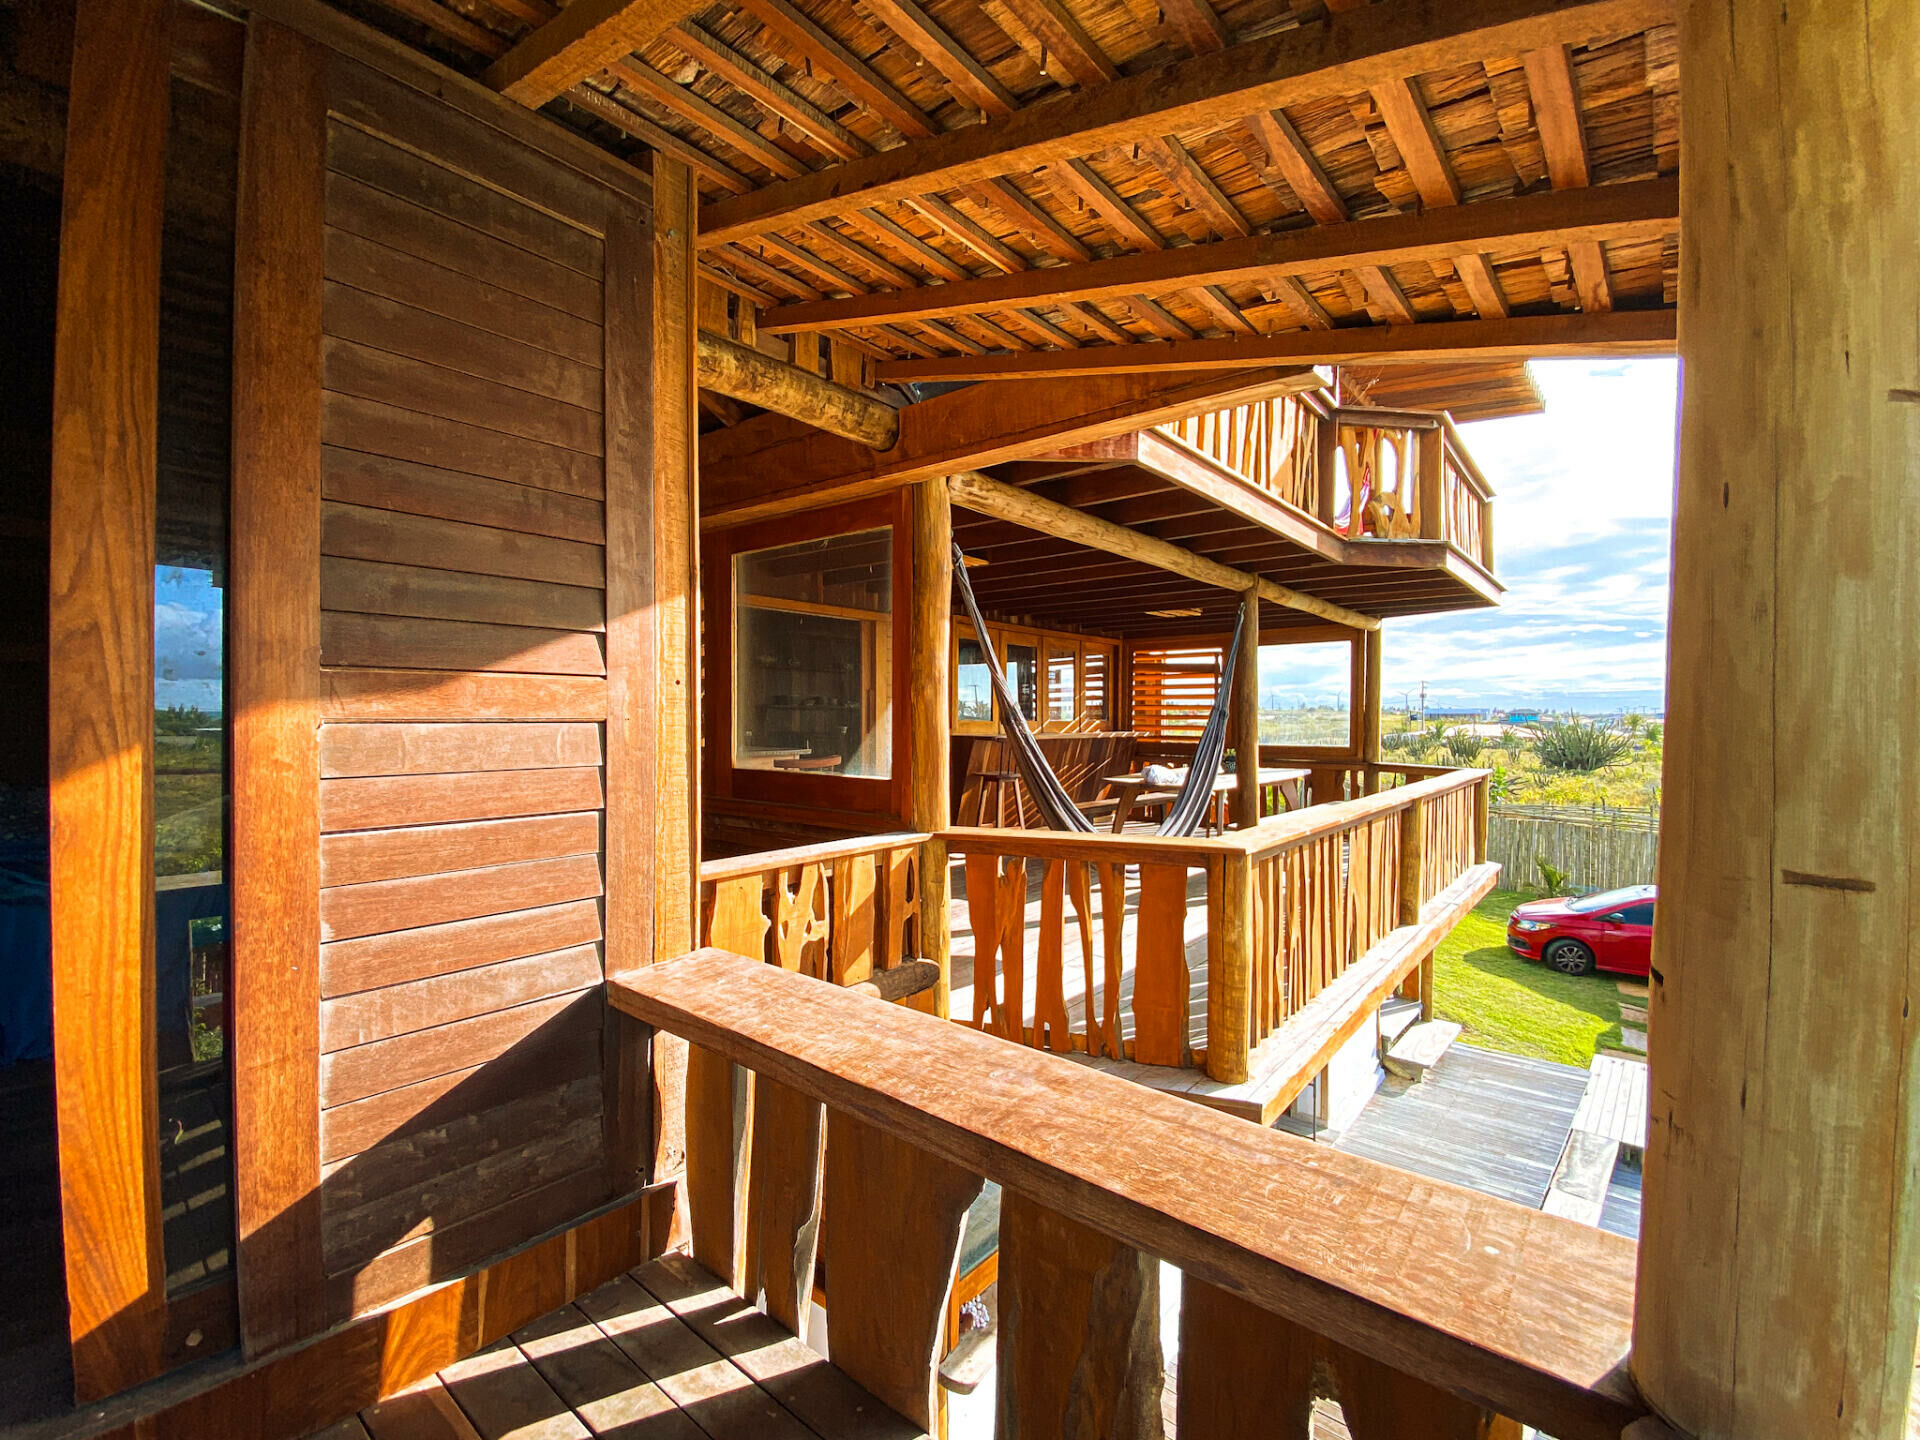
664, 1352
1491, 1122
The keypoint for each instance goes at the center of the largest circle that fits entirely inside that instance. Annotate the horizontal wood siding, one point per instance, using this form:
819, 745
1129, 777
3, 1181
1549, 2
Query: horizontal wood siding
463, 643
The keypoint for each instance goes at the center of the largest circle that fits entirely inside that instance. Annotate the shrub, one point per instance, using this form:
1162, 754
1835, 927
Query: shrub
1553, 880
1500, 786
1464, 747
1579, 746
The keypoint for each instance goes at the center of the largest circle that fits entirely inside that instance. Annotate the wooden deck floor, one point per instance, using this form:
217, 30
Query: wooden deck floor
663, 1353
1491, 1122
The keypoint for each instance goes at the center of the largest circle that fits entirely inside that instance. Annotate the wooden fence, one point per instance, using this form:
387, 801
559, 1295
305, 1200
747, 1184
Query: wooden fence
1598, 851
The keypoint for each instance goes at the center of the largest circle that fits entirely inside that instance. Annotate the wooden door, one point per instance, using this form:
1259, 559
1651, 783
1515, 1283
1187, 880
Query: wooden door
443, 684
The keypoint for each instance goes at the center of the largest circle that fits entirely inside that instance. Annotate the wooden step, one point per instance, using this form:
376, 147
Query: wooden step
1420, 1049
1396, 1017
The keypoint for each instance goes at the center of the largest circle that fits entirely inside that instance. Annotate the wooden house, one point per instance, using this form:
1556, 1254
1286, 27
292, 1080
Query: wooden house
497, 787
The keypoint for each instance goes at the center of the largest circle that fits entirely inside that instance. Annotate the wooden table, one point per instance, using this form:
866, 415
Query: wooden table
1130, 790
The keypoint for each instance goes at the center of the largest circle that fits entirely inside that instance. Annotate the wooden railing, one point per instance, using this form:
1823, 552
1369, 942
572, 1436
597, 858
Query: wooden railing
1428, 1312
1274, 443
1290, 906
839, 911
1405, 475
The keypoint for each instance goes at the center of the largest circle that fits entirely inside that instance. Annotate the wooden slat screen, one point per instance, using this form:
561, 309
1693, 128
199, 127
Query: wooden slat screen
1173, 689
482, 358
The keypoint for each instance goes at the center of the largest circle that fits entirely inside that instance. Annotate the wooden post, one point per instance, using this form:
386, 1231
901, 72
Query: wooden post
1429, 499
1246, 716
1326, 455
1482, 815
1780, 1246
1370, 715
929, 702
1229, 967
1413, 836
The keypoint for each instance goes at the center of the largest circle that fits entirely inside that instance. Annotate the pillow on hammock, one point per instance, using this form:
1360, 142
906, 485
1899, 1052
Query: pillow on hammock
1166, 777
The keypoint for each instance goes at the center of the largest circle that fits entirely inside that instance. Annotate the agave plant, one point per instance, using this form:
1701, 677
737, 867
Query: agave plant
1464, 747
1579, 746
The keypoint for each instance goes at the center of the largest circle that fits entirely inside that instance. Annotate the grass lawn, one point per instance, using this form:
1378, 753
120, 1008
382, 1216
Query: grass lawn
1505, 1003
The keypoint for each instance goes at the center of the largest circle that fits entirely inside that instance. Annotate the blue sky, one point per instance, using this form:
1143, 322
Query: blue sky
187, 648
1583, 507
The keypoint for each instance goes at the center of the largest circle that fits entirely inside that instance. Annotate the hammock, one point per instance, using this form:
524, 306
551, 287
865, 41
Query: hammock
1049, 795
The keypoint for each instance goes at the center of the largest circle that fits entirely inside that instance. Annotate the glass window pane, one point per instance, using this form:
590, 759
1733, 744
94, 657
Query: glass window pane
972, 683
1063, 697
1023, 678
190, 777
813, 657
1306, 694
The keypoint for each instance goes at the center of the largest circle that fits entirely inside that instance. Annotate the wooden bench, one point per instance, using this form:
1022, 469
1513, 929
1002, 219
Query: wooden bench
987, 777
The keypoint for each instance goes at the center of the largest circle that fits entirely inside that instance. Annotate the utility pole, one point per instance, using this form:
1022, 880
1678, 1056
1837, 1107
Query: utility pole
1423, 702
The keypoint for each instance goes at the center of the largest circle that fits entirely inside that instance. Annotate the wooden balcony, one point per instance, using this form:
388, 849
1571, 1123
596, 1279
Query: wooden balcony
1425, 1309
1226, 969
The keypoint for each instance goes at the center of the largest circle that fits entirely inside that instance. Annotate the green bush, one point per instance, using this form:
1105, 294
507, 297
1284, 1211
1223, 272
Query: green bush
1464, 747
1552, 879
1579, 746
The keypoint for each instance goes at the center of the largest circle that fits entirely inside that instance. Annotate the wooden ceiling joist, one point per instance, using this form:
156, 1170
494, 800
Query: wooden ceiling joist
581, 40
989, 497
773, 464
1599, 335
1304, 174
1413, 135
1338, 58
848, 70
1638, 210
1556, 113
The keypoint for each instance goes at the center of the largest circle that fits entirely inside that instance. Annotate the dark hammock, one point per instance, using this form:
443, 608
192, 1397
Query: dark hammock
1049, 795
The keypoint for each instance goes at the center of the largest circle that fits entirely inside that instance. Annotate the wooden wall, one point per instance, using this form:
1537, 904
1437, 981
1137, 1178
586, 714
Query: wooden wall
444, 473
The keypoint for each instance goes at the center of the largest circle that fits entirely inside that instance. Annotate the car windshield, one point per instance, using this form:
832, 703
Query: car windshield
1605, 900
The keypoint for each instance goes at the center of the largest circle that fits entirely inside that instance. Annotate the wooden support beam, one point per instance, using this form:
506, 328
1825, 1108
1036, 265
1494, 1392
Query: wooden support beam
581, 40
1780, 1248
1641, 210
1022, 507
847, 70
1246, 714
730, 368
1590, 279
1314, 62
1483, 286
827, 134
1067, 43
772, 464
930, 616
1417, 141
1386, 296
1196, 186
683, 101
1556, 112
925, 37
1618, 333
1290, 156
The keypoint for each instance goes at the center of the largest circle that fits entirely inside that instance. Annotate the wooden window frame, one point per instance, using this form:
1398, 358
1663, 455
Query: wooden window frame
847, 794
1000, 636
1291, 635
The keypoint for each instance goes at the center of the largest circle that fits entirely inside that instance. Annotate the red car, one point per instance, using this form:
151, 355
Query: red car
1609, 931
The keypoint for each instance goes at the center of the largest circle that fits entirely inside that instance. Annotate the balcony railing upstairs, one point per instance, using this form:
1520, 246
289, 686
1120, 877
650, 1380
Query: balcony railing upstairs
1427, 1311
1367, 474
1404, 475
1327, 910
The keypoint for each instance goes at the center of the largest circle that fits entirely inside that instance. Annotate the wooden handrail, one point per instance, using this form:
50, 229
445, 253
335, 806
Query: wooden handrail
1520, 1311
733, 867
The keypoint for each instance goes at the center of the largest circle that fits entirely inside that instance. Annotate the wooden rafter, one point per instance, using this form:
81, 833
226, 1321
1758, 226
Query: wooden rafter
1385, 294
1483, 286
736, 135
1066, 41
1014, 205
848, 70
1607, 335
1305, 175
934, 261
1195, 186
1411, 128
825, 133
772, 465
1198, 25
1556, 111
1640, 210
967, 76
1078, 180
1322, 61
630, 121
1590, 280
581, 40
1300, 298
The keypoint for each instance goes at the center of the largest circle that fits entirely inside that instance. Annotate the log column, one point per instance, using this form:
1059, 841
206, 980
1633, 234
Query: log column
1370, 713
1246, 716
930, 646
1780, 1248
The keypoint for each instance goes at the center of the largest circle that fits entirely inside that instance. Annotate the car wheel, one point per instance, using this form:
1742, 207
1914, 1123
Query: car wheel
1569, 957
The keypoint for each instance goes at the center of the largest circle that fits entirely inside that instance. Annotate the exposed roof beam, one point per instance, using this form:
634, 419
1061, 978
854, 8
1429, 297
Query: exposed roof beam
968, 77
1067, 42
1556, 111
1644, 209
1196, 186
1317, 61
1605, 335
683, 101
1590, 280
1005, 502
1417, 141
1200, 29
798, 113
845, 68
1386, 295
1308, 179
1483, 286
773, 465
627, 119
581, 40
741, 373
